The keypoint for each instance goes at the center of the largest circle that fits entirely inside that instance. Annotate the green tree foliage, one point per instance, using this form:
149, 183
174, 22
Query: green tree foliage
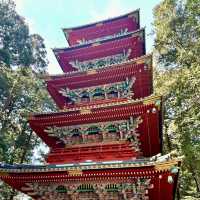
177, 29
177, 77
21, 94
22, 60
22, 48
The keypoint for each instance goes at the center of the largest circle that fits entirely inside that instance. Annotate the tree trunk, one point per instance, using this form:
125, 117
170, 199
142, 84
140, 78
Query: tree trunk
26, 147
195, 177
168, 141
196, 182
178, 196
10, 96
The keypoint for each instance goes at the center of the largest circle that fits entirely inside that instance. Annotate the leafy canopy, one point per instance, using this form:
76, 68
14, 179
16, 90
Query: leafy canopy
22, 59
177, 77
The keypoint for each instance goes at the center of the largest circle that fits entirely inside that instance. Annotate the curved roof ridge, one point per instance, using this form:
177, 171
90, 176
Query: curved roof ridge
103, 40
100, 21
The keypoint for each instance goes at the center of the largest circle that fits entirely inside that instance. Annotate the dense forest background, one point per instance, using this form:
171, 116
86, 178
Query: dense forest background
177, 78
23, 59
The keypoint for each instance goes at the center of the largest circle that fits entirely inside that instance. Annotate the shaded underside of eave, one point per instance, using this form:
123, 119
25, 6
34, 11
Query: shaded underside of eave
110, 68
143, 102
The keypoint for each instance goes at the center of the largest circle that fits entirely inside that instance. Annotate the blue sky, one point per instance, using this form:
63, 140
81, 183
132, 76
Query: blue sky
47, 17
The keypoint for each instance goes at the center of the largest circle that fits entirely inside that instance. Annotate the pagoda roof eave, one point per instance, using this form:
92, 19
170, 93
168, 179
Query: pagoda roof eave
160, 163
79, 73
84, 28
161, 177
64, 49
101, 21
146, 100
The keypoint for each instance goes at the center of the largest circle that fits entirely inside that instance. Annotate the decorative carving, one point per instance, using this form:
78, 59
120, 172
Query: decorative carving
99, 63
121, 33
128, 191
108, 91
137, 190
98, 132
132, 134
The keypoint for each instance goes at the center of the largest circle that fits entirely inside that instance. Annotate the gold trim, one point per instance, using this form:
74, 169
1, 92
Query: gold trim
142, 61
75, 172
85, 111
151, 100
2, 174
165, 166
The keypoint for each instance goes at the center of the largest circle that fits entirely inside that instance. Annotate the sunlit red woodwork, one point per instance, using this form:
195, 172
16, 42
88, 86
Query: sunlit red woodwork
138, 73
148, 131
103, 29
125, 47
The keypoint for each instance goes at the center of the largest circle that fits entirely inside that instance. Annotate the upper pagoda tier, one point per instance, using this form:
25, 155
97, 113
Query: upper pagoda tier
113, 131
101, 30
130, 80
103, 53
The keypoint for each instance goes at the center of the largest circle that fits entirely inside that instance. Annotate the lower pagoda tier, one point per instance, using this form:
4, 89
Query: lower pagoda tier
123, 130
145, 179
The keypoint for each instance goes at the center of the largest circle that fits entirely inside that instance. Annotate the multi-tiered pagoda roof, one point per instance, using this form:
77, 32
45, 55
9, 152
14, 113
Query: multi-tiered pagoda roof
106, 141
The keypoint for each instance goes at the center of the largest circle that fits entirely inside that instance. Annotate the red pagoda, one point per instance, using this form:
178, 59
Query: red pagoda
106, 142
